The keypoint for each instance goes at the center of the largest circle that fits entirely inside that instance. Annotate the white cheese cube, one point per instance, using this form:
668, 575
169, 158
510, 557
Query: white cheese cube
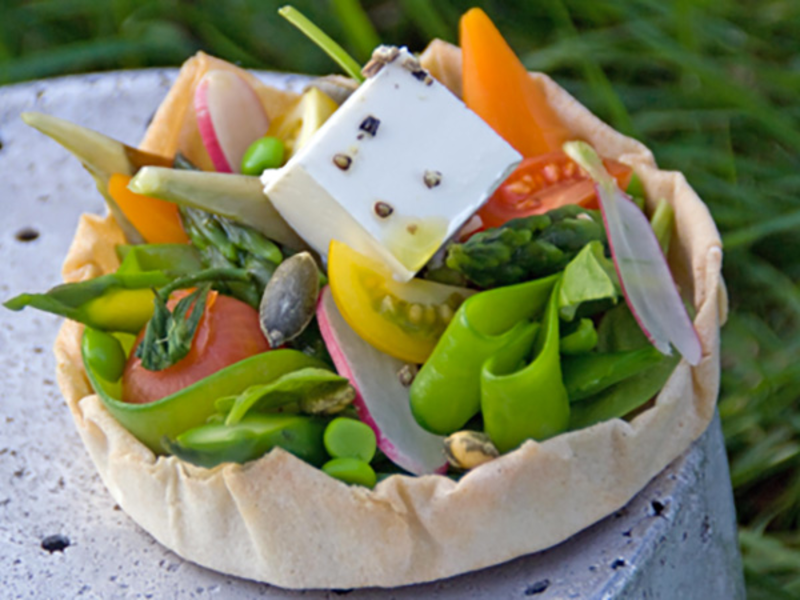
394, 172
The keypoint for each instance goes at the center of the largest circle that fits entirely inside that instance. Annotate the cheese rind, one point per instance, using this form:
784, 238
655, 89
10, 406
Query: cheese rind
394, 172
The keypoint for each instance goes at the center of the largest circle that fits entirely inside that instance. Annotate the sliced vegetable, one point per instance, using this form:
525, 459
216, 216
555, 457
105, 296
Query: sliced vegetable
289, 301
643, 271
265, 153
255, 435
236, 197
525, 249
381, 399
446, 392
192, 405
523, 400
227, 333
499, 88
102, 156
349, 438
156, 220
230, 117
545, 182
404, 320
352, 471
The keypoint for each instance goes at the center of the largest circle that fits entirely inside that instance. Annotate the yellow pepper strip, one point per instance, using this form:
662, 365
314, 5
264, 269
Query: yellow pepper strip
158, 221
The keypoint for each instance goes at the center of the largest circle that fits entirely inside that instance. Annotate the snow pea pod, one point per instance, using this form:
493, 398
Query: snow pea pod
176, 259
528, 402
191, 406
114, 302
252, 437
120, 301
446, 393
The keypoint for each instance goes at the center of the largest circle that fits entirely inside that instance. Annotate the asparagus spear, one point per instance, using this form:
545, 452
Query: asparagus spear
526, 248
223, 243
237, 197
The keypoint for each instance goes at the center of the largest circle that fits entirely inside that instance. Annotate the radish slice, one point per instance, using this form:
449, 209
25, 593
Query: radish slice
381, 400
644, 275
230, 117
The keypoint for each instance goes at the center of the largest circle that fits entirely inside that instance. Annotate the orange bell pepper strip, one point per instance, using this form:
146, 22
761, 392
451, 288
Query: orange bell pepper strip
499, 89
158, 221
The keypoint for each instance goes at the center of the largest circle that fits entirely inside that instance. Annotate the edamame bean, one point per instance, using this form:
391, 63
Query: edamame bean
351, 470
104, 354
264, 153
348, 438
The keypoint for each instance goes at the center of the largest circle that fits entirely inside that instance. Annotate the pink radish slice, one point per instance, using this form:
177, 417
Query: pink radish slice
230, 117
381, 400
647, 283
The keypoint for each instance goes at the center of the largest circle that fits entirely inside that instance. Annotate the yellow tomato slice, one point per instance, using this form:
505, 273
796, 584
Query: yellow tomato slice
404, 320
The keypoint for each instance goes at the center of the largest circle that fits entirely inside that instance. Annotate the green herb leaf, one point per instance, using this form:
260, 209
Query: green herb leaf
317, 391
168, 337
323, 40
589, 277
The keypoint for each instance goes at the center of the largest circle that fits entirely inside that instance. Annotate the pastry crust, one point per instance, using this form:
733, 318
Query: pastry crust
281, 521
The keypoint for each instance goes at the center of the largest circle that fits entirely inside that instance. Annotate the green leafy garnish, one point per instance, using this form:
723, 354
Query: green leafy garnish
168, 337
323, 40
589, 277
317, 391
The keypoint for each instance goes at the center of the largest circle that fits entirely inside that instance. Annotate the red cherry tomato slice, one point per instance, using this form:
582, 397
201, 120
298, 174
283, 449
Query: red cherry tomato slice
545, 182
228, 332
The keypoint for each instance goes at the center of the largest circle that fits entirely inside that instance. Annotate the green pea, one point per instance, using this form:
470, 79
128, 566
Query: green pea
351, 470
264, 153
348, 438
104, 354
580, 341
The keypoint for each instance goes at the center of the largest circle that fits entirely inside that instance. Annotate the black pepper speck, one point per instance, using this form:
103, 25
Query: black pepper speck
370, 125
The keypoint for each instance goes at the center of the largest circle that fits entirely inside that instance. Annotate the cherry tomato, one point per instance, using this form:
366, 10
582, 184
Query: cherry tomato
404, 320
227, 333
545, 182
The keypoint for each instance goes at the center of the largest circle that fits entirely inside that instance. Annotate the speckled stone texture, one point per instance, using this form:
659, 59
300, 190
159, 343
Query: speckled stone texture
61, 535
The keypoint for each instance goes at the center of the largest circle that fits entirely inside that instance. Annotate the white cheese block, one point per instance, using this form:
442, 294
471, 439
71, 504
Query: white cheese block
394, 172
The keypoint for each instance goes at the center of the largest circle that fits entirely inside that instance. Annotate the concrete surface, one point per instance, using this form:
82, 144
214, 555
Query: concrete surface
62, 536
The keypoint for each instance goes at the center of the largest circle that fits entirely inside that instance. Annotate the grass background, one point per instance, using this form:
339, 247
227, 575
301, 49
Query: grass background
712, 86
